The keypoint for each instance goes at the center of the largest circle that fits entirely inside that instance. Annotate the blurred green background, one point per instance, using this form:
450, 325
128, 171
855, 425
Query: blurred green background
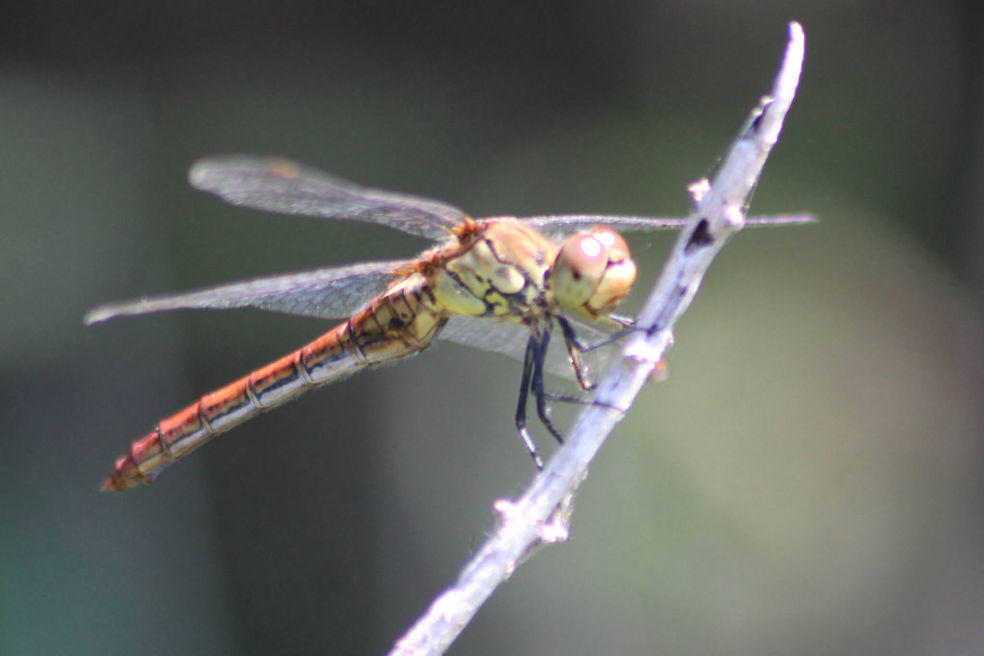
807, 481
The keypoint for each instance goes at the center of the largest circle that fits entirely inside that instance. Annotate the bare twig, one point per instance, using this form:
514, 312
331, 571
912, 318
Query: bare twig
541, 514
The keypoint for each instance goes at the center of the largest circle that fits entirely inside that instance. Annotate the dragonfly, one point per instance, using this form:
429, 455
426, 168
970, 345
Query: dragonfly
500, 284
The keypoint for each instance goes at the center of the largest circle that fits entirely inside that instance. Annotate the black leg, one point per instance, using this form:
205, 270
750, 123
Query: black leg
532, 380
542, 411
577, 400
529, 364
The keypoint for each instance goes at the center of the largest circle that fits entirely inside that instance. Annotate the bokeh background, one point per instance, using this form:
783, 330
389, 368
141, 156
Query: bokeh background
807, 481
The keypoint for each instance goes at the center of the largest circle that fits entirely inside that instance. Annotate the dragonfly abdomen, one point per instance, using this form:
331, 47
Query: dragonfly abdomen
393, 326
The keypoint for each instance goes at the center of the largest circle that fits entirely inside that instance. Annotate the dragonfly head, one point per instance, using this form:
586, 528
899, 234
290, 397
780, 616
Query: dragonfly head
593, 272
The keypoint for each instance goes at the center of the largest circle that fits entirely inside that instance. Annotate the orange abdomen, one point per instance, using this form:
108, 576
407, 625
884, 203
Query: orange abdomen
396, 325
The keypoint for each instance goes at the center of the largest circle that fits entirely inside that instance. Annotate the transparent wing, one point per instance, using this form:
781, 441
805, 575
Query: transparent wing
326, 293
566, 223
509, 338
285, 187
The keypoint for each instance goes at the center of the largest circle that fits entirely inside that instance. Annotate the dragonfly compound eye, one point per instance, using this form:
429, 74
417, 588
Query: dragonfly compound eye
619, 275
593, 271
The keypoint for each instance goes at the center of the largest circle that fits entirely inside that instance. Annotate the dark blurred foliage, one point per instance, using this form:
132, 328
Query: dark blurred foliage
829, 501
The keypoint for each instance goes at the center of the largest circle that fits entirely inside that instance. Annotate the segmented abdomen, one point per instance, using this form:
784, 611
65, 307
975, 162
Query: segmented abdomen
396, 325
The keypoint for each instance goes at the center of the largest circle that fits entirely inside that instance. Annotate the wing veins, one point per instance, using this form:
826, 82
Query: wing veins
285, 187
326, 293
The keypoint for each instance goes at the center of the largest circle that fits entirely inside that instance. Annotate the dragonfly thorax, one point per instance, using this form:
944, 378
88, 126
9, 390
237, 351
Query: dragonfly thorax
499, 271
593, 272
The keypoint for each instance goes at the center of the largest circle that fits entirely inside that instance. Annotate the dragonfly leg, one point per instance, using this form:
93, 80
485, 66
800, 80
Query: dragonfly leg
625, 322
574, 347
536, 386
566, 398
529, 362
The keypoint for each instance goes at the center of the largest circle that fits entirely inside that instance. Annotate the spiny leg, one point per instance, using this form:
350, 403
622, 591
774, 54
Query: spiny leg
529, 363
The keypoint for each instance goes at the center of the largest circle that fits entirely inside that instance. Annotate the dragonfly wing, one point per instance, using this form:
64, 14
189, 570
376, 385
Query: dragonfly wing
567, 223
285, 187
325, 293
509, 338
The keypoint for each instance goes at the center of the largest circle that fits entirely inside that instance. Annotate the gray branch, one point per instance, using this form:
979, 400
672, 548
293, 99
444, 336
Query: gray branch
540, 516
